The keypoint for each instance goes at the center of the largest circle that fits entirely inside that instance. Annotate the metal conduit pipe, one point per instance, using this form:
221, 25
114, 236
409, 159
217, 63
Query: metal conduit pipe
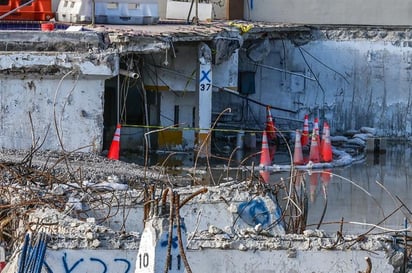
129, 74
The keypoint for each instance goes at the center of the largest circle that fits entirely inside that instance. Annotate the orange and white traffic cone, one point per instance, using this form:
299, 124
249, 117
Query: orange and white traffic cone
305, 135
265, 175
265, 154
114, 151
265, 159
298, 154
270, 125
314, 154
327, 155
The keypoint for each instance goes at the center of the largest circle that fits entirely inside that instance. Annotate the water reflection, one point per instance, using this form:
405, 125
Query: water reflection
362, 194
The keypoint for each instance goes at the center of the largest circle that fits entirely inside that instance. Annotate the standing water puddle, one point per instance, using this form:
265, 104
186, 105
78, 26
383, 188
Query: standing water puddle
354, 199
366, 193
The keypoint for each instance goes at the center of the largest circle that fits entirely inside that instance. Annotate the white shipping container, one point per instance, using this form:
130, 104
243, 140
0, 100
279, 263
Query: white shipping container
109, 12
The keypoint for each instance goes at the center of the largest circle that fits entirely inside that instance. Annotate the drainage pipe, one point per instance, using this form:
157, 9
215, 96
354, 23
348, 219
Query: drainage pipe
129, 74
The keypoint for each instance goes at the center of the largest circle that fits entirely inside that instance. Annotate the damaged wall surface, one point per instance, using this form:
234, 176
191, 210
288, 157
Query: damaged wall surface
59, 116
351, 77
53, 101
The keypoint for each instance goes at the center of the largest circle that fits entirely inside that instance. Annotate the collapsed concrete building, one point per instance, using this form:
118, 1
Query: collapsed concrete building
167, 84
145, 77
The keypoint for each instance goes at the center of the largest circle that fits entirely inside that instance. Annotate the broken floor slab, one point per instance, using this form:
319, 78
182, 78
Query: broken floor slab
84, 246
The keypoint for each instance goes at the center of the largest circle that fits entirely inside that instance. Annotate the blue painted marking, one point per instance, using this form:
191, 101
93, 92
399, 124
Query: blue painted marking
163, 243
101, 262
254, 212
205, 75
125, 261
48, 269
66, 267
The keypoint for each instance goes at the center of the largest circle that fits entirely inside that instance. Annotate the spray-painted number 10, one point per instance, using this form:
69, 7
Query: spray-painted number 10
144, 261
205, 86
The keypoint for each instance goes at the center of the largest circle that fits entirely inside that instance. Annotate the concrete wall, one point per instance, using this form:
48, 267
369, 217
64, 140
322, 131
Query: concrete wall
215, 260
73, 110
62, 92
378, 12
350, 81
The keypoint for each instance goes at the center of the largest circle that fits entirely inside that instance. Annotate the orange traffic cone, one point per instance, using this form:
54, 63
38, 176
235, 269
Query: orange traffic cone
265, 158
305, 136
114, 150
314, 154
298, 154
270, 125
327, 146
265, 154
265, 175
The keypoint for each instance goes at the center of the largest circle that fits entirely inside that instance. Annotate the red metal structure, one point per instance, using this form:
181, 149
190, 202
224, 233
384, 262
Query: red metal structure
30, 10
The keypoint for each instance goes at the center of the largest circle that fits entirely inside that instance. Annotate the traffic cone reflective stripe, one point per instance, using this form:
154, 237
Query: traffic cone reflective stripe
298, 154
327, 155
265, 155
314, 155
305, 135
270, 125
114, 150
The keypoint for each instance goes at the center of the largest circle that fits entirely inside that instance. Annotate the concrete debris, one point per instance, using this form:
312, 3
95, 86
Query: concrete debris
317, 240
86, 202
70, 233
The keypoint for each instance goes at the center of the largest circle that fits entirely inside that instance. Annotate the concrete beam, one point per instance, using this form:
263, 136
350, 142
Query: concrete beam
51, 64
59, 41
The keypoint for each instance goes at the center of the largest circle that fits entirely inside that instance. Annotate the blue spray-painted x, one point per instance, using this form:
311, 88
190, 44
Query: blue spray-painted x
205, 76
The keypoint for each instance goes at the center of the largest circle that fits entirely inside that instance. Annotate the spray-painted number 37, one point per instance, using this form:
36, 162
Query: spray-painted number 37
144, 261
205, 86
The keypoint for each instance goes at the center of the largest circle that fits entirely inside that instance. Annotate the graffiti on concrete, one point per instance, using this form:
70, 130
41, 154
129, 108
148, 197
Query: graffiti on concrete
165, 236
254, 212
93, 264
